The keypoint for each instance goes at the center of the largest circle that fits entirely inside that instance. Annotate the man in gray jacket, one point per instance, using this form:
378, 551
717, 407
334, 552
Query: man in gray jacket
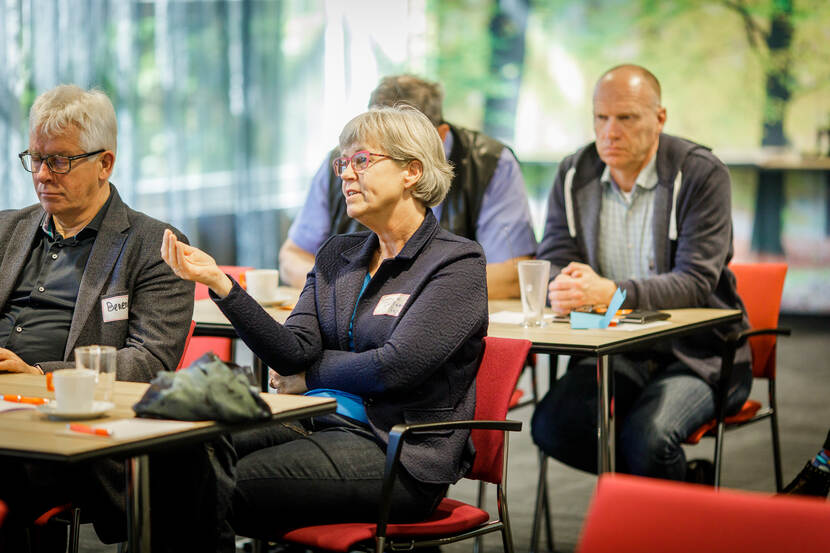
81, 268
651, 214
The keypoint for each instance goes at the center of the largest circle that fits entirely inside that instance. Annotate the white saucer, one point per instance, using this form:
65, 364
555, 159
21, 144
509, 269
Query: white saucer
99, 408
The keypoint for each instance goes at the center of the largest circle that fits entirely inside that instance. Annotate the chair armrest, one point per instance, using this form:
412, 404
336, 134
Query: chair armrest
730, 344
740, 337
507, 425
395, 445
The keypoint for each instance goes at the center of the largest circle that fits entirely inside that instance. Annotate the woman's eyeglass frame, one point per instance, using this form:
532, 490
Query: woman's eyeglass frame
339, 164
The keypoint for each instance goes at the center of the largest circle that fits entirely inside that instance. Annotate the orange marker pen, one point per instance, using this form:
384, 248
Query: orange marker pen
86, 429
23, 399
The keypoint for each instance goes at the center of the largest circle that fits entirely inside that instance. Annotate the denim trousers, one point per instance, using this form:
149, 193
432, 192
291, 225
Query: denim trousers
327, 469
657, 404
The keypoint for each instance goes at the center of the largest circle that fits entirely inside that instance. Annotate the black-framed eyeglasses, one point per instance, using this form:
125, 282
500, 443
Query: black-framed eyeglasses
55, 162
360, 161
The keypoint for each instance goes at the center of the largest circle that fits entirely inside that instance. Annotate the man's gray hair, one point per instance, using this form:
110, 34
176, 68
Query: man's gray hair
405, 134
425, 96
91, 111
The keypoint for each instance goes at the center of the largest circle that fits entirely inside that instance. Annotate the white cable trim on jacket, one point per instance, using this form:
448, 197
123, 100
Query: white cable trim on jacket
569, 207
673, 215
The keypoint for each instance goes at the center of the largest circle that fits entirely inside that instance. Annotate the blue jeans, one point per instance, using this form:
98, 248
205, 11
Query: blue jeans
657, 404
326, 470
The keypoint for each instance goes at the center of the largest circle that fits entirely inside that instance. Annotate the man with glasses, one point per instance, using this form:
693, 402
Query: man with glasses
487, 201
81, 267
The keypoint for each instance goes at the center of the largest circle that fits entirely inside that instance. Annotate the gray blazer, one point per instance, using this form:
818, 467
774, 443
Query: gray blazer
125, 261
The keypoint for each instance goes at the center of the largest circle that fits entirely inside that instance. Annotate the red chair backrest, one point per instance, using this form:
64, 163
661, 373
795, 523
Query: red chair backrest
631, 514
498, 372
186, 344
233, 270
760, 286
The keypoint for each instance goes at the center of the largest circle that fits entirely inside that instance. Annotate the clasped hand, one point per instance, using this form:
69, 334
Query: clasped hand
193, 264
577, 285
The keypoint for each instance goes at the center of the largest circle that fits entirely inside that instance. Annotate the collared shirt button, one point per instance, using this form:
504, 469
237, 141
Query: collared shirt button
41, 289
18, 329
54, 256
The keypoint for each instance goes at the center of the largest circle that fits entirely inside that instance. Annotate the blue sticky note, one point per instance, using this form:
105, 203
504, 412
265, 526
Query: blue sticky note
581, 320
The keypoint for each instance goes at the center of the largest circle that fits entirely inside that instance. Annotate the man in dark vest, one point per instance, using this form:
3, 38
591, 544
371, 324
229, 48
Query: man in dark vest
487, 201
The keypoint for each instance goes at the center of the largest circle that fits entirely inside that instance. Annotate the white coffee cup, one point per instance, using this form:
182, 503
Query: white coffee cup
262, 284
74, 389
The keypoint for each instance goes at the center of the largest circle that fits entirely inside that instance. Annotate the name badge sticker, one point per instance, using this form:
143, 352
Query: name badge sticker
391, 304
115, 308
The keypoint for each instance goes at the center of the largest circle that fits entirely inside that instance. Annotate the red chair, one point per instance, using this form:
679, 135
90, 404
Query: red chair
760, 286
516, 402
631, 514
186, 345
222, 347
500, 367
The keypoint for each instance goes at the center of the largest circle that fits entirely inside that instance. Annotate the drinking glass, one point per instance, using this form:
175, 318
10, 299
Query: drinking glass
533, 284
100, 359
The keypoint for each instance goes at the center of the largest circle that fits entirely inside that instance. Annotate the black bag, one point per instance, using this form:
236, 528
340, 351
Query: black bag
208, 389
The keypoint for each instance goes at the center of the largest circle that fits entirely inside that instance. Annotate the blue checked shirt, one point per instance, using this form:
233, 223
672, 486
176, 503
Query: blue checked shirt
626, 242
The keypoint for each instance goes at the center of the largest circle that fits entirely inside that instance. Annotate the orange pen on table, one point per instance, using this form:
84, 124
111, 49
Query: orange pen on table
86, 429
23, 399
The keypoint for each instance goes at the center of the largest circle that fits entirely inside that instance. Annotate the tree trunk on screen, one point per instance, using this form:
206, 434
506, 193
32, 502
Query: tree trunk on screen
507, 27
769, 200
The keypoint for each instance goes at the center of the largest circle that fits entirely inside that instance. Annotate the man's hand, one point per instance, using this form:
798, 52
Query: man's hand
193, 264
503, 278
10, 362
577, 285
295, 263
292, 384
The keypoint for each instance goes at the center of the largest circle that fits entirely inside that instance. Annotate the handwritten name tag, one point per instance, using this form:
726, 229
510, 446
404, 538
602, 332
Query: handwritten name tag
115, 308
391, 304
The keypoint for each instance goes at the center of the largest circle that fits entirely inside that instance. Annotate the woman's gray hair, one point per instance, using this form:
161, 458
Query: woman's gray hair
90, 111
405, 134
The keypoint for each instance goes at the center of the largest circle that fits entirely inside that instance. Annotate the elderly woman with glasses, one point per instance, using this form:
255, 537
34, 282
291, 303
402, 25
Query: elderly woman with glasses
390, 323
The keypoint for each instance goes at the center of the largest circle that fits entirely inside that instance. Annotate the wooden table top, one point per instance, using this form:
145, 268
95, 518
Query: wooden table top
552, 338
561, 338
31, 434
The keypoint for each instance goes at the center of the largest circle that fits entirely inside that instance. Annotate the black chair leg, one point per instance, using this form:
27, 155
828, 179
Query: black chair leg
74, 531
718, 454
482, 504
776, 451
542, 508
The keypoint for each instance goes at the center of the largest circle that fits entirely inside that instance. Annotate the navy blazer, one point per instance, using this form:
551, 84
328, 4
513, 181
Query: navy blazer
417, 364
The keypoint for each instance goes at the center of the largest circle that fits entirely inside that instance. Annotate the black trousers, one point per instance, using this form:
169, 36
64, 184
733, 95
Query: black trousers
327, 470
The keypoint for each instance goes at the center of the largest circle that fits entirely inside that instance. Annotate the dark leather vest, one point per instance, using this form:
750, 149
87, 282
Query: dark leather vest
474, 158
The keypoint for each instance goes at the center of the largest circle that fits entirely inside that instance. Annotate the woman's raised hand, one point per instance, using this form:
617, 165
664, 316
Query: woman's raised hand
193, 264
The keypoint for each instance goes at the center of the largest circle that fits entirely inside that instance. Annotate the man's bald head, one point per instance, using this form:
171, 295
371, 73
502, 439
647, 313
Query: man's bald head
635, 78
628, 120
